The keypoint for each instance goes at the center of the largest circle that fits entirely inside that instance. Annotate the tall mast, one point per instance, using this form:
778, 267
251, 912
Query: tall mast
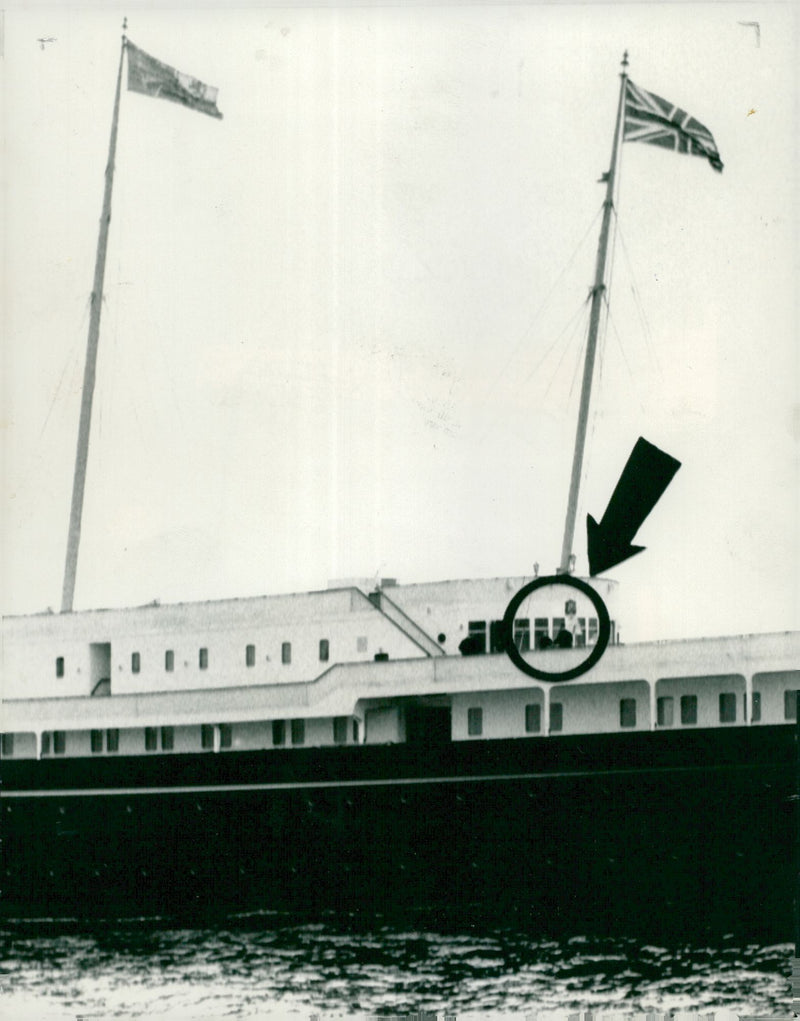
81, 457
598, 291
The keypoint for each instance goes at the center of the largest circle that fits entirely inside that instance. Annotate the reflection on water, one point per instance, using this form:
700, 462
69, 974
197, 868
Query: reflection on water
263, 968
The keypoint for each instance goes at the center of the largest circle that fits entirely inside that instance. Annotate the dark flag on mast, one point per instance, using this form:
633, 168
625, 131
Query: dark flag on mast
651, 119
152, 78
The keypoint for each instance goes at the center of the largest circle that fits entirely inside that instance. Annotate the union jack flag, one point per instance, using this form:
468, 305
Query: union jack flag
651, 119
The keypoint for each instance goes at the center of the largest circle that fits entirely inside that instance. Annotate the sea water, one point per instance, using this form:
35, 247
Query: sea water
265, 967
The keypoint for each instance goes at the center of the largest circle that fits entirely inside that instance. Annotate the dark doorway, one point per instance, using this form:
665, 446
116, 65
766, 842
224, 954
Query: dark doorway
427, 724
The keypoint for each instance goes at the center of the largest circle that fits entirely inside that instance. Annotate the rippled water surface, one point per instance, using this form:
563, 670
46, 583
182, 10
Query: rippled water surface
264, 968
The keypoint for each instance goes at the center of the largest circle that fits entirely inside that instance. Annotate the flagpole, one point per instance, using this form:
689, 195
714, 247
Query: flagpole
598, 292
81, 457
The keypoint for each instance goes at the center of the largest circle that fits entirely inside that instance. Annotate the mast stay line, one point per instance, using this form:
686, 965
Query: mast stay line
598, 292
82, 454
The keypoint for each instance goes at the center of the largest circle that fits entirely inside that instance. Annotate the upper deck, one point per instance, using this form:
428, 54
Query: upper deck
269, 640
343, 666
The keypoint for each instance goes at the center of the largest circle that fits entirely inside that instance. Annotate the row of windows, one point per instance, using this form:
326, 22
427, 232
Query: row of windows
665, 708
169, 660
543, 635
286, 652
545, 632
627, 712
202, 656
151, 735
111, 740
55, 742
163, 738
297, 733
59, 742
533, 719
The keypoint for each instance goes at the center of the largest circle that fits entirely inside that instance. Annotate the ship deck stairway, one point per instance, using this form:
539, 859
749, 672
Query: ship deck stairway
400, 619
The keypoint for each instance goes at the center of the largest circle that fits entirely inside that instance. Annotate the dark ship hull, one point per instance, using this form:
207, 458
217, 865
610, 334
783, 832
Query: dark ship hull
655, 833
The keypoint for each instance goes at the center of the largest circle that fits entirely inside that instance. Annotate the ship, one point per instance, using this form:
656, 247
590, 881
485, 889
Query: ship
478, 746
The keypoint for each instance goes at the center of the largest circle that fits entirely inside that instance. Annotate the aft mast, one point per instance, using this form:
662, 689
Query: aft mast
598, 292
152, 78
82, 455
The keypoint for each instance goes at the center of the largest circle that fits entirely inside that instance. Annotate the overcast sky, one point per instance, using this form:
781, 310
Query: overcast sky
342, 327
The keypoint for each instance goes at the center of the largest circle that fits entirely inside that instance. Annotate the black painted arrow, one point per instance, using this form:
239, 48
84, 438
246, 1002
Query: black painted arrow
644, 478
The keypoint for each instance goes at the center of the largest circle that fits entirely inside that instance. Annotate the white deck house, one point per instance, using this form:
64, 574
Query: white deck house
341, 666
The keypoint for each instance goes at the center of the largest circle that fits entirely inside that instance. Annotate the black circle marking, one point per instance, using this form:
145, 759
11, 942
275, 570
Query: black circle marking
604, 628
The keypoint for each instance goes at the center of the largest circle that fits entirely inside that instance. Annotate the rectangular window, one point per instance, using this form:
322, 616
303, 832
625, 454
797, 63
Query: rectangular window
688, 709
340, 730
278, 732
59, 742
298, 731
541, 630
475, 721
533, 719
580, 633
790, 705
97, 741
207, 736
477, 632
286, 652
150, 739
225, 735
169, 661
167, 739
592, 631
59, 666
556, 717
627, 712
522, 634
355, 731
496, 643
727, 707
46, 743
250, 655
665, 710
203, 659
112, 740
136, 663
558, 625
755, 714
324, 650
361, 643
7, 744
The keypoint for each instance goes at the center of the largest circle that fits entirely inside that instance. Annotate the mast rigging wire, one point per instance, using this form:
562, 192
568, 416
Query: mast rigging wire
540, 311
